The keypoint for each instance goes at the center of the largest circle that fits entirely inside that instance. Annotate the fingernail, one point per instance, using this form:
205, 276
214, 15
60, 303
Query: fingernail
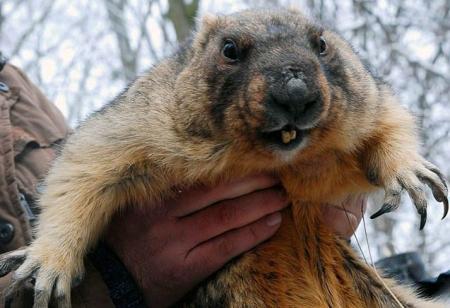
273, 219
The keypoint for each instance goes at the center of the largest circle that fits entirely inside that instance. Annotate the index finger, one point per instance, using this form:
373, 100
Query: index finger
195, 199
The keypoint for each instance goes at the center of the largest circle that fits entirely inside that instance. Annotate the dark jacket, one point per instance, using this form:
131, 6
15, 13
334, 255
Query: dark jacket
31, 129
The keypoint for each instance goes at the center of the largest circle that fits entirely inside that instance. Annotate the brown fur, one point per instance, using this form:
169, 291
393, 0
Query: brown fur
187, 122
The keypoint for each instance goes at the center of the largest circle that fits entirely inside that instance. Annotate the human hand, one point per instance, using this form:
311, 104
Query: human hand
345, 224
171, 247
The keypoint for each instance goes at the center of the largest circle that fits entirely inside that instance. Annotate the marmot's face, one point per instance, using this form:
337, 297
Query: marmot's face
266, 83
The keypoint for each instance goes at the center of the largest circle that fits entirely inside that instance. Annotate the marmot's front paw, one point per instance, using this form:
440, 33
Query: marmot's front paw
413, 180
51, 273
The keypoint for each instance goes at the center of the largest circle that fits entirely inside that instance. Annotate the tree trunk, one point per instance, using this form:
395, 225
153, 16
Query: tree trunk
115, 9
182, 17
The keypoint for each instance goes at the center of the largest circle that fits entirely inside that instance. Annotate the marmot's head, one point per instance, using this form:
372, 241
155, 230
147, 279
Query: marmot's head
274, 83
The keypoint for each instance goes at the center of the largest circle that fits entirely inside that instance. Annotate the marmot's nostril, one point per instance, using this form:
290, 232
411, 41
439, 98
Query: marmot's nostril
294, 71
296, 88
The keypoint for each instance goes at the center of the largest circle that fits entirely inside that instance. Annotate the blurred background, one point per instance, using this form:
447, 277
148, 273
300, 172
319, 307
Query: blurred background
82, 53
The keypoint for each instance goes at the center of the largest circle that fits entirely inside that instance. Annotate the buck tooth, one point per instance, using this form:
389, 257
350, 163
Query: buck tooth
293, 134
285, 136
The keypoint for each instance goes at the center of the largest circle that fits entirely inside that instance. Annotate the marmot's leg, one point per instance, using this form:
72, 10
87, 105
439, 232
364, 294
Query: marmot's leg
76, 208
392, 162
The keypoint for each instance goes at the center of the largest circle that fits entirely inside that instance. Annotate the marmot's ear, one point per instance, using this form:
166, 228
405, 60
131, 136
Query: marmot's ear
206, 26
208, 22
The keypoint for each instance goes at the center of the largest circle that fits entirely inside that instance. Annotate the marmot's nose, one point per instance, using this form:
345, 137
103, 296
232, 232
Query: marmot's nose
296, 97
296, 88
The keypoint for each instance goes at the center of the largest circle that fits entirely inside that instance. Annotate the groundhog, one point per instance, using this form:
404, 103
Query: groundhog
257, 91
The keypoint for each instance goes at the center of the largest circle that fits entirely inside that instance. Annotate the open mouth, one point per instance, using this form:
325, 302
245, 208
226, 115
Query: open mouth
286, 138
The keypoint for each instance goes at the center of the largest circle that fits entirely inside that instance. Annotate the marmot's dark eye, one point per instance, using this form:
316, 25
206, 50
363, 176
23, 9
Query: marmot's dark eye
230, 50
322, 46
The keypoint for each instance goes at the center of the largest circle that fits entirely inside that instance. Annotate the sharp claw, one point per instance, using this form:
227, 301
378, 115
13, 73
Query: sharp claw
386, 208
4, 270
445, 208
435, 170
11, 262
423, 219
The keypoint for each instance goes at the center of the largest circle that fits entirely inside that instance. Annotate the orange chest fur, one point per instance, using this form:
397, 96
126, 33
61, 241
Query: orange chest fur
325, 179
297, 267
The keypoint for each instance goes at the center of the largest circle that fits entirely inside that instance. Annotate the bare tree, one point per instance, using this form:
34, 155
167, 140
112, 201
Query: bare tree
182, 15
128, 55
